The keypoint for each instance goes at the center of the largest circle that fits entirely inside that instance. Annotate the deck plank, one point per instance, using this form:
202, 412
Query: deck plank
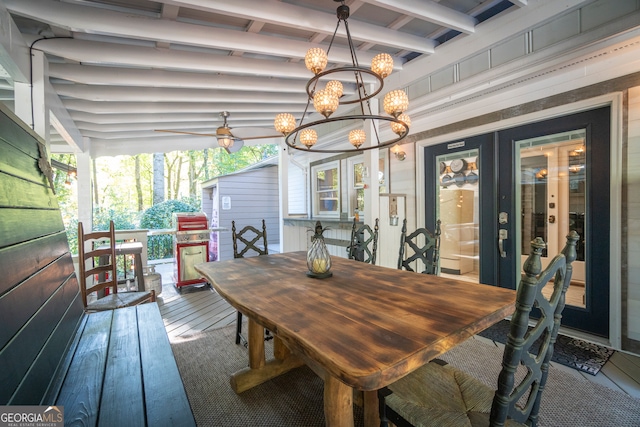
616, 370
194, 318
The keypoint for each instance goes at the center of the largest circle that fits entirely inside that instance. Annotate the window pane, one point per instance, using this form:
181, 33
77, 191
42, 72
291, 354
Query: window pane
358, 174
553, 200
458, 208
327, 191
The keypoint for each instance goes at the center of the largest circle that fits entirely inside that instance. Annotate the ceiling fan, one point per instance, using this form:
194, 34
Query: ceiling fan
230, 141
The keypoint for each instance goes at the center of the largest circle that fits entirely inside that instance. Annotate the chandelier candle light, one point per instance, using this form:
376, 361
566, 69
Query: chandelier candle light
326, 101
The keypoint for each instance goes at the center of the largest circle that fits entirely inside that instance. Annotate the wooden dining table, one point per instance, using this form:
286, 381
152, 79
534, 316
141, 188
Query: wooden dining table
363, 328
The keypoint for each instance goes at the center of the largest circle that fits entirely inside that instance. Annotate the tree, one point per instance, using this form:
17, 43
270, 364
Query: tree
158, 178
138, 183
173, 161
205, 163
94, 182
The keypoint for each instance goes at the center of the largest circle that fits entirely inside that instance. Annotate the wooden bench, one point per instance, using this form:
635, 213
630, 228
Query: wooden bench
120, 371
114, 368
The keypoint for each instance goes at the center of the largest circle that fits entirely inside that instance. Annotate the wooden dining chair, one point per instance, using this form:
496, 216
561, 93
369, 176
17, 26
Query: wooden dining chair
361, 238
98, 273
438, 394
249, 241
413, 249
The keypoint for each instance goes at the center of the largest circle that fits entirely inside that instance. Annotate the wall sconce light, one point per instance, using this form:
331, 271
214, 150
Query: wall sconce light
400, 155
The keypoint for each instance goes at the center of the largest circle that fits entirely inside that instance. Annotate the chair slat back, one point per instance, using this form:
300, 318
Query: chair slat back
533, 347
249, 237
96, 260
412, 249
361, 239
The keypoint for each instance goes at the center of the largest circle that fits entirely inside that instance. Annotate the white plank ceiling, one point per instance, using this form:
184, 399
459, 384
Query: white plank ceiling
125, 68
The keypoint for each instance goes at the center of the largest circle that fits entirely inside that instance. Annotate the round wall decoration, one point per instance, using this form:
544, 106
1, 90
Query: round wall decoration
458, 165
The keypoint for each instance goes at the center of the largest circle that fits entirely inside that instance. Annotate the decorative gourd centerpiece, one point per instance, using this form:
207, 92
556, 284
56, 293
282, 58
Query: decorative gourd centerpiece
318, 259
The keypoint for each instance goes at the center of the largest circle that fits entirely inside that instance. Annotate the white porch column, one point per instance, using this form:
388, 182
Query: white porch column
283, 190
36, 113
371, 193
85, 204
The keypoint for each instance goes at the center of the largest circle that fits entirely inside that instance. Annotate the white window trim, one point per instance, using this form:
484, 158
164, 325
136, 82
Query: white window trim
314, 191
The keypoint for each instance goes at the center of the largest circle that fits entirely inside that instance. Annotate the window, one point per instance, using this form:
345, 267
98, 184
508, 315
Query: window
357, 201
326, 189
338, 186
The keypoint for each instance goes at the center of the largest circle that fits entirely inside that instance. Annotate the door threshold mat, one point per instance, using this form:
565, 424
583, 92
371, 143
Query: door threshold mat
572, 352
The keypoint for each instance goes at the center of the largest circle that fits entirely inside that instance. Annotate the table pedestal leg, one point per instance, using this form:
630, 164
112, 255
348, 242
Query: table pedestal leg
338, 403
256, 345
259, 370
371, 408
280, 351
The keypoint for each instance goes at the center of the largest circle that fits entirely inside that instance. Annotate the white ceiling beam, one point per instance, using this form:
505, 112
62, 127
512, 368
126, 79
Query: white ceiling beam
87, 19
81, 117
201, 126
520, 3
169, 12
102, 147
302, 18
62, 122
171, 107
99, 75
14, 50
126, 94
253, 27
431, 11
91, 52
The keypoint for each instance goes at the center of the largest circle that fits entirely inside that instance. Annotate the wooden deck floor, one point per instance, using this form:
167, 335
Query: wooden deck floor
197, 308
201, 308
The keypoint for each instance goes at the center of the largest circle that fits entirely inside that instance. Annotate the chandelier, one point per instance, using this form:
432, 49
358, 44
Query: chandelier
303, 136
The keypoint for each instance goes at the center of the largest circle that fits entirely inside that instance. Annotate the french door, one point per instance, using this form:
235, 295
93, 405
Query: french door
494, 193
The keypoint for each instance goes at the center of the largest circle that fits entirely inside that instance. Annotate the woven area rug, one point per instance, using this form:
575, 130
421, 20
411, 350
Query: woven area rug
572, 352
207, 360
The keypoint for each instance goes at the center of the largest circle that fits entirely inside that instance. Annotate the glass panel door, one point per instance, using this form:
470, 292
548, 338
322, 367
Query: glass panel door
554, 177
552, 199
539, 179
458, 209
460, 192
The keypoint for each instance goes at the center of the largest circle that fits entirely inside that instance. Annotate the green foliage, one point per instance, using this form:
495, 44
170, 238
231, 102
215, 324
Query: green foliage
123, 220
72, 235
159, 217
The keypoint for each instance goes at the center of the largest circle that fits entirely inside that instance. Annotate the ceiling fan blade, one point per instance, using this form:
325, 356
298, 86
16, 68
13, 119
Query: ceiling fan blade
262, 137
185, 132
255, 133
237, 145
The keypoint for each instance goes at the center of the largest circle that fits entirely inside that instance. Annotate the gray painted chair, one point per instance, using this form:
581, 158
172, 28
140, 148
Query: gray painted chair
438, 394
428, 253
253, 242
361, 238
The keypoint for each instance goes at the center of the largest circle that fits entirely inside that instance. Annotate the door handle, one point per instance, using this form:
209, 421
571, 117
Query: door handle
502, 236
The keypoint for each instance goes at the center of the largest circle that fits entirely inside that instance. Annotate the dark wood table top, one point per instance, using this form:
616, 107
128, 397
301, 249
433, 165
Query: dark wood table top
366, 325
